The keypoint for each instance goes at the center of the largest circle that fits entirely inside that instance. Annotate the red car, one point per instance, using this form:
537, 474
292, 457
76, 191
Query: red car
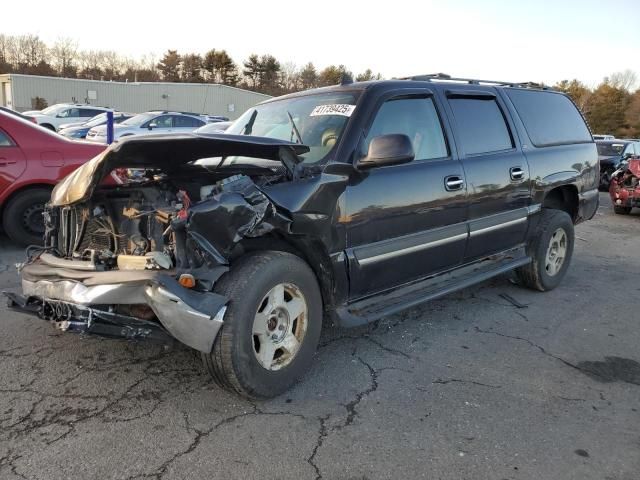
32, 160
625, 187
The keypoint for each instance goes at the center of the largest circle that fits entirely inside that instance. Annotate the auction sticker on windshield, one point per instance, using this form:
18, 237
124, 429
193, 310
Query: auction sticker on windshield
335, 109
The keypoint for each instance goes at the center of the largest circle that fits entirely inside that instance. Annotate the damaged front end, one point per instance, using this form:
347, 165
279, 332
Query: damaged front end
140, 259
625, 185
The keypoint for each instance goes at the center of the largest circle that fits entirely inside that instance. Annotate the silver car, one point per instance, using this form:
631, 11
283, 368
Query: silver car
148, 124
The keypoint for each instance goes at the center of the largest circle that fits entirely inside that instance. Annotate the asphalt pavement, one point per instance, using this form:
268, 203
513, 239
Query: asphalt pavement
493, 382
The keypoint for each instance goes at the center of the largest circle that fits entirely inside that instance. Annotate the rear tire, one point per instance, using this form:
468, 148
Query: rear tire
550, 250
256, 358
22, 220
621, 210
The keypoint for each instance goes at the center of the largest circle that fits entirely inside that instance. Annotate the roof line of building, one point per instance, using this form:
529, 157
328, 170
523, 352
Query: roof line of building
111, 82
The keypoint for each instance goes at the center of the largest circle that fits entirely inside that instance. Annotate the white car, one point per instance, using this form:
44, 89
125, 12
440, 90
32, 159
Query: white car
61, 113
148, 124
215, 127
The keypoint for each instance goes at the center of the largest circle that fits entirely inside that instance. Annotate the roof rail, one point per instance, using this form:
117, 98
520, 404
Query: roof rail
430, 77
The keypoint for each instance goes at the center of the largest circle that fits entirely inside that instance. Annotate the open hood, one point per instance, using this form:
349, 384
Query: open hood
168, 153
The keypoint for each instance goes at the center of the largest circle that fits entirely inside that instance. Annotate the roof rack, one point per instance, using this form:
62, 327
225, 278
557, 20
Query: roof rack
472, 81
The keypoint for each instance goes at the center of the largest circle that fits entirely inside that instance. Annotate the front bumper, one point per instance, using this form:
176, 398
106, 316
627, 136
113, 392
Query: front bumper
87, 301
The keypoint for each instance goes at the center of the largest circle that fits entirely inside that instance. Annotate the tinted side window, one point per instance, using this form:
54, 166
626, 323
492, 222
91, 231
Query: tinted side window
481, 125
184, 121
549, 118
415, 117
5, 141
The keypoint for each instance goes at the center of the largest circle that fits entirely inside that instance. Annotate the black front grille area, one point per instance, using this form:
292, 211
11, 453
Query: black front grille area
70, 230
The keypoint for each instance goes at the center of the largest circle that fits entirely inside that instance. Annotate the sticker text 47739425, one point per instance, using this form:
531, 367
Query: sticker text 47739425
334, 109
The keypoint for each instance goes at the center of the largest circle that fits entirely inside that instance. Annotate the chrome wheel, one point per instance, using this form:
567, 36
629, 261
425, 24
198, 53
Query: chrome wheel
556, 252
279, 326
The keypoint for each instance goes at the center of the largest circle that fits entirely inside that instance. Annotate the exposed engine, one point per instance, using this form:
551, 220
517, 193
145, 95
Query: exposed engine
142, 226
625, 185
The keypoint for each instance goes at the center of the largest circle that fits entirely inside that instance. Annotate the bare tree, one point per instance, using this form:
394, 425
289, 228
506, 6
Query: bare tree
625, 80
290, 76
64, 53
112, 64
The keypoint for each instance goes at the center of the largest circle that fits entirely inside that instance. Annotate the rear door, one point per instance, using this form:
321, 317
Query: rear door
184, 123
496, 171
405, 222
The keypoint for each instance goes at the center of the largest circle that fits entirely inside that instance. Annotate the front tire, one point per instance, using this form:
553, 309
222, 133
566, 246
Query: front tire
22, 220
271, 327
621, 210
550, 250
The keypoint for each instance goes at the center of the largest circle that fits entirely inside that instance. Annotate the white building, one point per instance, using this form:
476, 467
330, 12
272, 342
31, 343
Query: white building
19, 92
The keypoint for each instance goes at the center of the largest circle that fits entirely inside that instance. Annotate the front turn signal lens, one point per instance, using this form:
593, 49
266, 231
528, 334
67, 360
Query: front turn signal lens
187, 280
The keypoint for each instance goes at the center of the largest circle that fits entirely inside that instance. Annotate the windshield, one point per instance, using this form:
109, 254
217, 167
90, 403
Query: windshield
97, 120
138, 119
318, 120
610, 149
53, 109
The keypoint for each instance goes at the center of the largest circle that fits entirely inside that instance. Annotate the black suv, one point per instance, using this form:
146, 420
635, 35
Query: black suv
341, 204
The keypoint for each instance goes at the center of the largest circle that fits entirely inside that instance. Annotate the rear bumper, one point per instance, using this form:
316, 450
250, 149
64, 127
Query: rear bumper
83, 304
588, 203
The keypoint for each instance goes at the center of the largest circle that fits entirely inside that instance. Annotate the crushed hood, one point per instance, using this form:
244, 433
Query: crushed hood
168, 153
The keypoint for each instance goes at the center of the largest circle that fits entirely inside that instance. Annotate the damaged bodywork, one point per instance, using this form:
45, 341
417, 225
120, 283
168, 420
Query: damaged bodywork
625, 186
115, 256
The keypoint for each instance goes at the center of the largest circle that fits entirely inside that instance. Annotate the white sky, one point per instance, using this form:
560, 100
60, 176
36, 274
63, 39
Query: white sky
493, 39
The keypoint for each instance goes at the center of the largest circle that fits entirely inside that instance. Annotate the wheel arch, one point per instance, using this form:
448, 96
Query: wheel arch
565, 198
310, 250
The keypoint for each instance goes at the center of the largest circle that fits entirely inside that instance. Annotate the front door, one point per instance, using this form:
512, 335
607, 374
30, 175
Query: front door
407, 221
496, 171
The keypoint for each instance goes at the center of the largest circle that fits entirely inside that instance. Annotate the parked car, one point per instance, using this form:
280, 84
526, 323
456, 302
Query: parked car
148, 124
63, 113
18, 114
32, 160
611, 154
215, 127
347, 203
625, 186
80, 131
603, 137
216, 118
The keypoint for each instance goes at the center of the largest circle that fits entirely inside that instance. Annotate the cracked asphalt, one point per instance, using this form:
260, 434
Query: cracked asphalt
494, 382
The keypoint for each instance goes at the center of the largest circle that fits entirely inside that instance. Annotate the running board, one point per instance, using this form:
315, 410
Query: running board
387, 303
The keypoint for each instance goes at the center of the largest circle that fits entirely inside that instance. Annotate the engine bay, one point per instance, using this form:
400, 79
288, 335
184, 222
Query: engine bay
144, 224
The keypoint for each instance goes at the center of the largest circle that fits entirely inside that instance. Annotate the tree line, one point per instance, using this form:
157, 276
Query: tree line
28, 54
612, 107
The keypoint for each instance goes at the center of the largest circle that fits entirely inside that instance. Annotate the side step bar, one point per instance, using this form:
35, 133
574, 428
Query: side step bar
387, 303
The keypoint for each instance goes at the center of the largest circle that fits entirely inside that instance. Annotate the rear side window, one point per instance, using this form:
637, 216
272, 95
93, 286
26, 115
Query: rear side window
5, 141
184, 121
549, 118
481, 125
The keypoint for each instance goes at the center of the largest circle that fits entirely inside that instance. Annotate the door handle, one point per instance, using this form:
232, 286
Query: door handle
516, 173
453, 182
4, 162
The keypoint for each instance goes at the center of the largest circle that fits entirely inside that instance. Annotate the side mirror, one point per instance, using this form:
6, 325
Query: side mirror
152, 126
392, 149
627, 156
